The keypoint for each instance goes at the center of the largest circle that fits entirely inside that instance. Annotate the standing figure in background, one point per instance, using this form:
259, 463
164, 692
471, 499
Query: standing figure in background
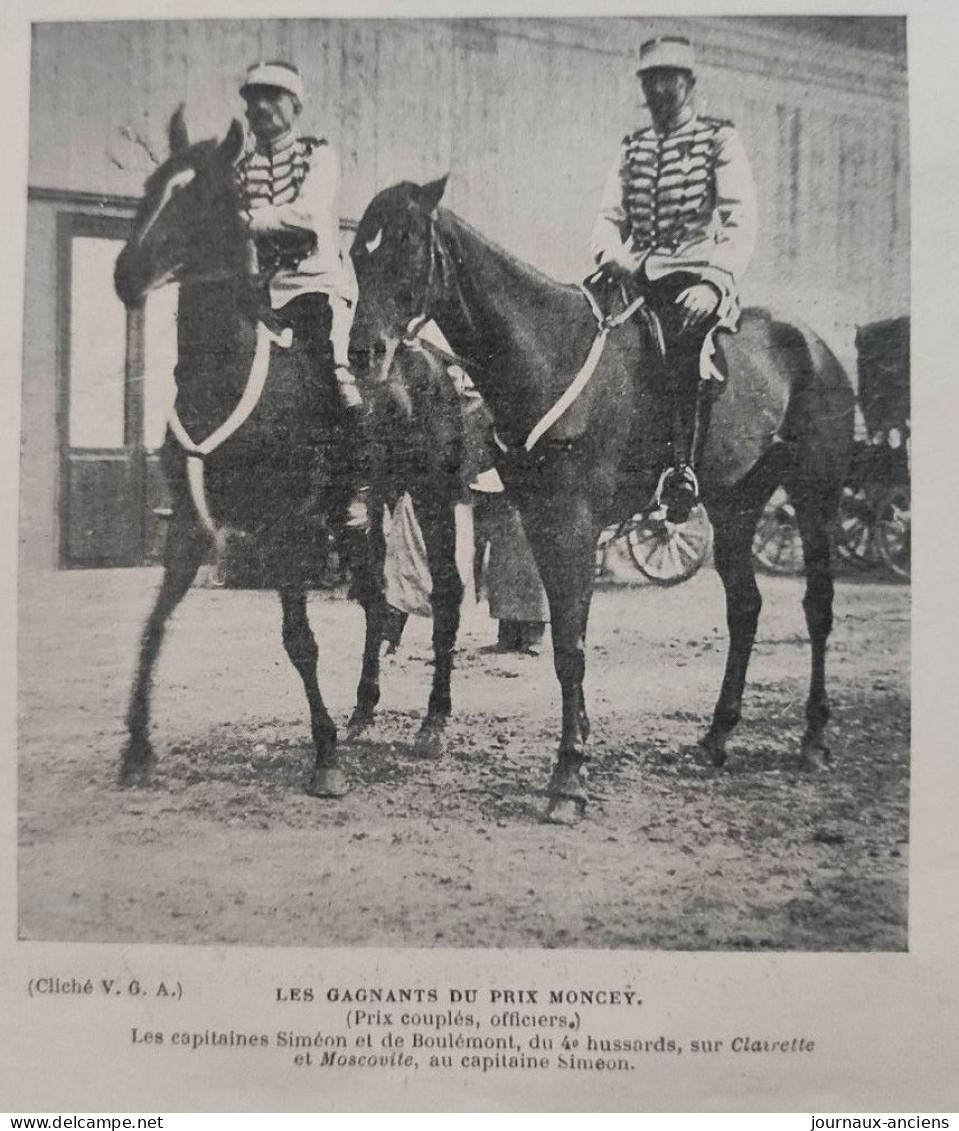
516, 595
677, 224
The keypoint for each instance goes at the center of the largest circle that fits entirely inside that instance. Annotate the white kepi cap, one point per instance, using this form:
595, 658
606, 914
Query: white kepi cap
666, 51
284, 76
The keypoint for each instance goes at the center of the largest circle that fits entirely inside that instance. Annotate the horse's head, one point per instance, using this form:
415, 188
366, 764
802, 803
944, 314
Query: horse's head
395, 256
188, 222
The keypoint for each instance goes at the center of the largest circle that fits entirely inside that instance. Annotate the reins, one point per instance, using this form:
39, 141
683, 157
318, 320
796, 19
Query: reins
418, 321
605, 323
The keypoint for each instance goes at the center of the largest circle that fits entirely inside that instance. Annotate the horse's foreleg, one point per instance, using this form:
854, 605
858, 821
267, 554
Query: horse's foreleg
566, 568
734, 524
366, 552
327, 779
438, 523
186, 543
814, 509
368, 689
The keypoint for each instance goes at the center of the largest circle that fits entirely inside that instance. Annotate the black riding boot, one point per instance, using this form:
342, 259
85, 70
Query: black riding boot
679, 488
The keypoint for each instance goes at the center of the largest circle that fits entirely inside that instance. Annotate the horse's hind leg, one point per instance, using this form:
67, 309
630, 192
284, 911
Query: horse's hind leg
815, 507
186, 544
327, 779
438, 523
734, 519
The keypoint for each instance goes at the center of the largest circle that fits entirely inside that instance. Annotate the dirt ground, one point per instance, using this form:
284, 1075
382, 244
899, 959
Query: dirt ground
226, 847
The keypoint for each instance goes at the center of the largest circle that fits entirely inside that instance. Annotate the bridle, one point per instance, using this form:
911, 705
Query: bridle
182, 274
434, 289
439, 259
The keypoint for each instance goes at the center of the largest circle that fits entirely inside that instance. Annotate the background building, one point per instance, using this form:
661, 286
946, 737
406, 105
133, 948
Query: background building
526, 115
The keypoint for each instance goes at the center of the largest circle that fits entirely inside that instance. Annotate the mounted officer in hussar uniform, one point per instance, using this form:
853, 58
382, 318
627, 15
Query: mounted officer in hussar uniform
289, 200
677, 223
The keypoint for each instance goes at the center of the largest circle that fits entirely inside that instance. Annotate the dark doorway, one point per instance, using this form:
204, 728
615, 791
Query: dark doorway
116, 386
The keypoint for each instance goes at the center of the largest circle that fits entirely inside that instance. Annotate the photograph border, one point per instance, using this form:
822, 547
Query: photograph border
886, 1024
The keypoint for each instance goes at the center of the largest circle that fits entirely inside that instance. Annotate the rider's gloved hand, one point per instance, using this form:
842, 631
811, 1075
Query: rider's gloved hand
698, 302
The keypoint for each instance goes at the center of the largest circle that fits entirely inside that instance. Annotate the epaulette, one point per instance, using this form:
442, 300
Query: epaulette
718, 122
312, 143
636, 133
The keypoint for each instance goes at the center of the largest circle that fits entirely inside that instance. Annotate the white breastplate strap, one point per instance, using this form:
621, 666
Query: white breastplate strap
582, 378
251, 396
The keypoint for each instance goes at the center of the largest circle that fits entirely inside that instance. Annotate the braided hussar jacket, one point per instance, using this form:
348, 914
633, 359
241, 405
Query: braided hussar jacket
289, 193
683, 201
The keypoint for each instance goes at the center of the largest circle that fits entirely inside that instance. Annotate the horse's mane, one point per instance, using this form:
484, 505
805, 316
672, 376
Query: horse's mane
524, 273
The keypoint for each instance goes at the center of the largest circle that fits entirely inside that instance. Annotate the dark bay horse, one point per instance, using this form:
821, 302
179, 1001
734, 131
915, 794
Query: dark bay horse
785, 416
252, 447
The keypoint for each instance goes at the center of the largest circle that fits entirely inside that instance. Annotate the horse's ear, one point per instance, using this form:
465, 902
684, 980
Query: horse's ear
232, 145
429, 196
177, 132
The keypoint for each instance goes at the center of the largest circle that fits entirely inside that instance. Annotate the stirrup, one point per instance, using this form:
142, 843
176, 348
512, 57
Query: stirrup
685, 471
661, 512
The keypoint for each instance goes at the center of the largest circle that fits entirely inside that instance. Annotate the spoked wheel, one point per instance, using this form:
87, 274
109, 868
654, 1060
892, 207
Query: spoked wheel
854, 528
667, 552
777, 546
893, 530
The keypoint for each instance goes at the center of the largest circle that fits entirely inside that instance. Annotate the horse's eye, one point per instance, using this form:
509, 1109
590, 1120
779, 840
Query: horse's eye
374, 243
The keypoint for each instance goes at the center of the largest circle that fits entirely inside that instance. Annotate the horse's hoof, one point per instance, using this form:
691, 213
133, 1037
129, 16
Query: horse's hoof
430, 741
360, 722
564, 810
328, 781
567, 793
712, 751
815, 758
136, 764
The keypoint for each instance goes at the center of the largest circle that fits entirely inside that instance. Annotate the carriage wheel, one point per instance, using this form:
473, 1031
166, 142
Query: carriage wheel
853, 537
668, 553
894, 529
777, 546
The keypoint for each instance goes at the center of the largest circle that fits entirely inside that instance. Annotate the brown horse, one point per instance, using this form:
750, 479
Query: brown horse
273, 470
784, 416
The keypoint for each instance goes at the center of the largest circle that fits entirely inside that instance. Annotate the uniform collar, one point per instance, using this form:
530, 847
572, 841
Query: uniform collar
278, 145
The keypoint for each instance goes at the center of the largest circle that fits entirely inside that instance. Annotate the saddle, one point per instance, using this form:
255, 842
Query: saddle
683, 429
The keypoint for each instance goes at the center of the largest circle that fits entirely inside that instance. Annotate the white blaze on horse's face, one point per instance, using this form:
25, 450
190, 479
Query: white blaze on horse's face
175, 184
374, 243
